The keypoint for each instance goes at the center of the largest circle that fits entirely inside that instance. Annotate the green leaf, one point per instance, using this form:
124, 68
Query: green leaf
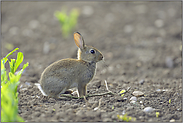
19, 60
11, 52
12, 65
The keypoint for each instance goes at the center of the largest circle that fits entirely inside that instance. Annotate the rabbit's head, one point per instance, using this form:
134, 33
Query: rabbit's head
86, 53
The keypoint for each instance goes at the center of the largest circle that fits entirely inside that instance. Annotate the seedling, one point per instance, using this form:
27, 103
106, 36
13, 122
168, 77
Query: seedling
169, 101
126, 118
67, 22
121, 92
157, 114
9, 84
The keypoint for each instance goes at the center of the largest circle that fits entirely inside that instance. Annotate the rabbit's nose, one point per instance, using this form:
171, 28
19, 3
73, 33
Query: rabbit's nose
101, 57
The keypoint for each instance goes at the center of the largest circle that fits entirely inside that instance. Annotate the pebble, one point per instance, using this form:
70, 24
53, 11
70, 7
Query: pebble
132, 101
172, 120
133, 98
27, 84
141, 82
138, 93
148, 109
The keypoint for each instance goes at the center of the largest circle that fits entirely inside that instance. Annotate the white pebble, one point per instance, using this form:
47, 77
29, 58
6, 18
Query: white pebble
27, 84
159, 23
96, 108
172, 120
133, 98
133, 101
148, 109
137, 93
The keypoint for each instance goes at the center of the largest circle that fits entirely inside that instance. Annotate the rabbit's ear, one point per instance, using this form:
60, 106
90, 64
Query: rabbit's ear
79, 40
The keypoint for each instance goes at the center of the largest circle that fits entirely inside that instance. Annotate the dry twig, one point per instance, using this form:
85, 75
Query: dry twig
102, 94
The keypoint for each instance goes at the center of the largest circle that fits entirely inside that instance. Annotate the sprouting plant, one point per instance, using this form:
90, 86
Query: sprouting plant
9, 84
169, 101
68, 22
157, 114
121, 92
126, 118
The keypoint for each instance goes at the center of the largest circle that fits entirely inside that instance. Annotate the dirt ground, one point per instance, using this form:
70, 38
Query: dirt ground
141, 44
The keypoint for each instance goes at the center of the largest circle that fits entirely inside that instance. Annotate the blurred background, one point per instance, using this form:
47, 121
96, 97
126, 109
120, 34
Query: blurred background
138, 39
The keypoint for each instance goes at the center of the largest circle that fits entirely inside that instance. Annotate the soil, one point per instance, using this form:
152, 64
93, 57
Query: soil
141, 44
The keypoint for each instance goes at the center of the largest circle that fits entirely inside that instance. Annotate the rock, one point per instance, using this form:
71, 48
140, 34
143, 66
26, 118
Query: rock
141, 82
172, 120
148, 109
133, 98
138, 93
132, 101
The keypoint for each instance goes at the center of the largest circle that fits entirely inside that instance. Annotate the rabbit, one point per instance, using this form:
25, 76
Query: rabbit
68, 73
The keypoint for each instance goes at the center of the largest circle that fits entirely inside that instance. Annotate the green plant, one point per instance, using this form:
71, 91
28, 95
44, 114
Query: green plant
9, 84
67, 22
126, 118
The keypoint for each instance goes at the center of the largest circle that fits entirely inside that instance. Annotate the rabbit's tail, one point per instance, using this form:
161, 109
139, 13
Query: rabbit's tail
40, 88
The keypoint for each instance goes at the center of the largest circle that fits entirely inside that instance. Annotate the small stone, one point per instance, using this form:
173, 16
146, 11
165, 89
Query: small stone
138, 93
132, 101
148, 109
140, 102
133, 98
172, 120
141, 82
27, 84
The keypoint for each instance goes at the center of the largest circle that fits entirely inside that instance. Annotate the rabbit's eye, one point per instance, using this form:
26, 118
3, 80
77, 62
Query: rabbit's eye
92, 51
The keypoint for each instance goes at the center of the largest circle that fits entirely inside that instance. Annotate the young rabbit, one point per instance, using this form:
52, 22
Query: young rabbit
68, 73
